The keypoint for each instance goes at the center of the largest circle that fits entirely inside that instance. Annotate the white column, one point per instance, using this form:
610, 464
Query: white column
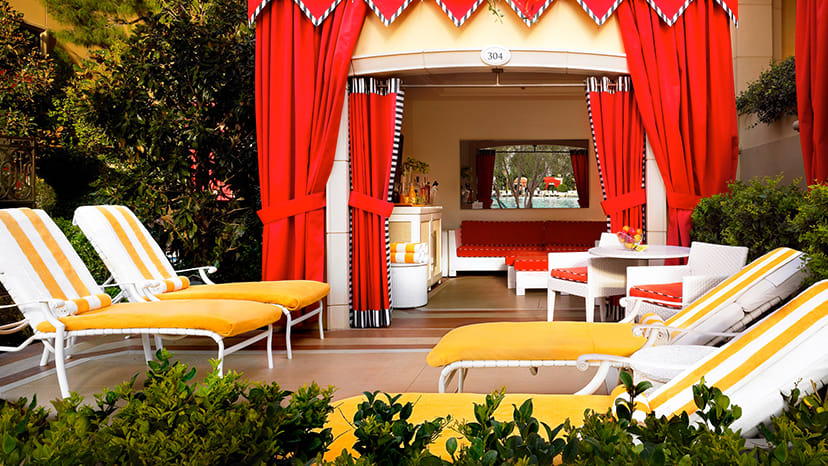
338, 229
656, 201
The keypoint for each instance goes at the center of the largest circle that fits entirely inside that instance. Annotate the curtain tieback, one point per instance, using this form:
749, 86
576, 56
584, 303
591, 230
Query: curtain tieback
367, 203
682, 201
292, 207
624, 202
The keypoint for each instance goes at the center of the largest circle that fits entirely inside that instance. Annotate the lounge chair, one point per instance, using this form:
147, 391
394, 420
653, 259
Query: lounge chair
728, 307
60, 300
133, 256
784, 350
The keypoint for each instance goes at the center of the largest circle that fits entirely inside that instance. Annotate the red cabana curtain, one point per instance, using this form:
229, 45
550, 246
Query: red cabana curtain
485, 176
300, 90
618, 138
580, 171
811, 89
683, 81
375, 121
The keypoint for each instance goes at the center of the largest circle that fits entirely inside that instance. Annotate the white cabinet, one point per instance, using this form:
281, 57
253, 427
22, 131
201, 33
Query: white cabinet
420, 225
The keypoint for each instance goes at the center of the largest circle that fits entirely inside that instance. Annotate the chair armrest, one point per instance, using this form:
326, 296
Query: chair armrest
644, 275
202, 272
693, 286
558, 260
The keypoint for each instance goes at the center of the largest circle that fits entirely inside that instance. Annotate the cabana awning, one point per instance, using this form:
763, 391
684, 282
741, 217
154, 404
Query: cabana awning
459, 11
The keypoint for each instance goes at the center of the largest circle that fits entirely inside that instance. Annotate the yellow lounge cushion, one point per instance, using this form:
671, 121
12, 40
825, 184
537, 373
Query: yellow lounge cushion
544, 341
224, 317
551, 409
293, 294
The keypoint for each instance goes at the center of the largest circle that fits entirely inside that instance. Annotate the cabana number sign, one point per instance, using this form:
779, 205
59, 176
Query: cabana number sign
495, 55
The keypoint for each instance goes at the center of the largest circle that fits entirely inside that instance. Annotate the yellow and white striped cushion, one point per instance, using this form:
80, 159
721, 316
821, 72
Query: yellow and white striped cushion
126, 247
80, 305
775, 339
39, 264
730, 289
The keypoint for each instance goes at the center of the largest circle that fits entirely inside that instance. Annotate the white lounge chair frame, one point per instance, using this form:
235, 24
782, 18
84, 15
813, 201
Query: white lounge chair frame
732, 316
57, 342
101, 246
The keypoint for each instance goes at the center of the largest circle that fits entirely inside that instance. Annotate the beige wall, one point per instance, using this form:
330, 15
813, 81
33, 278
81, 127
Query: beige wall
765, 34
435, 120
34, 13
423, 26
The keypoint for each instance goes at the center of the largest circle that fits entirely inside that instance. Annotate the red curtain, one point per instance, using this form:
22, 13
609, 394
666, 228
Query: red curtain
811, 89
618, 136
580, 170
300, 90
374, 117
683, 81
485, 176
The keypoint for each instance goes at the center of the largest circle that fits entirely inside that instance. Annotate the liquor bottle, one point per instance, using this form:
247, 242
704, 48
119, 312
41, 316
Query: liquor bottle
426, 190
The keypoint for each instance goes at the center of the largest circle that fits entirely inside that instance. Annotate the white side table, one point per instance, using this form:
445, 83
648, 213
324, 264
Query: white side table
409, 285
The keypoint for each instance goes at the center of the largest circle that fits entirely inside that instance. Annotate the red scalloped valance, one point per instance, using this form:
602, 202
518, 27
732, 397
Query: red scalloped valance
459, 11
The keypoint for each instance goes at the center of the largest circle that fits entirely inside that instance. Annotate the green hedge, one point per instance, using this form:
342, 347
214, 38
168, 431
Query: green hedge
173, 419
764, 214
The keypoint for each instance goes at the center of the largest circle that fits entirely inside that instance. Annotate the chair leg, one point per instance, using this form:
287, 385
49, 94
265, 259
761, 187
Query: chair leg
510, 277
60, 363
550, 305
44, 358
589, 306
321, 330
288, 326
602, 307
145, 343
220, 366
461, 376
270, 346
159, 343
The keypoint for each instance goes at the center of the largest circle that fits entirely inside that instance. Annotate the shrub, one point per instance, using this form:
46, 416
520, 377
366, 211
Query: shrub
170, 114
173, 420
757, 214
812, 222
773, 95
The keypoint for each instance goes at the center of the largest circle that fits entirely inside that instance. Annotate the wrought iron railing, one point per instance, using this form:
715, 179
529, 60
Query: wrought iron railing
17, 172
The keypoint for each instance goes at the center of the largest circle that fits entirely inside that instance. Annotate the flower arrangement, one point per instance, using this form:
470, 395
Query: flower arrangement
631, 238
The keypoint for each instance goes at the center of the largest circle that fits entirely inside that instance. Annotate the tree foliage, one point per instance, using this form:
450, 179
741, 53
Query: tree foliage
170, 113
99, 23
531, 162
27, 77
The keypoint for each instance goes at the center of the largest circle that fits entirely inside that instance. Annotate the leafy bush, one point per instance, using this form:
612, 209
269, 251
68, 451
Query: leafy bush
758, 214
773, 95
229, 421
173, 420
169, 113
812, 223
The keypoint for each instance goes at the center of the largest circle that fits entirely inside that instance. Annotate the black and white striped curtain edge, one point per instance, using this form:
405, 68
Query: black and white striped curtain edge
380, 317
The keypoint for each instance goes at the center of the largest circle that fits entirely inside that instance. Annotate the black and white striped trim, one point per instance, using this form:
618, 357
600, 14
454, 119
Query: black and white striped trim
315, 20
534, 19
599, 19
388, 21
672, 20
459, 21
591, 85
376, 318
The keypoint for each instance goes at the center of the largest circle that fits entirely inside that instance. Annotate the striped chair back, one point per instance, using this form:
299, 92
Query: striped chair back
37, 263
711, 303
126, 247
785, 348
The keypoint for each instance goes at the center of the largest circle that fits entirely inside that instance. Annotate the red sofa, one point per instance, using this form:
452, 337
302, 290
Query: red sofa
484, 246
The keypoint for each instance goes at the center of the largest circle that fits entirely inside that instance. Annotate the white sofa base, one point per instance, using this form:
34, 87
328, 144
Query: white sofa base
529, 279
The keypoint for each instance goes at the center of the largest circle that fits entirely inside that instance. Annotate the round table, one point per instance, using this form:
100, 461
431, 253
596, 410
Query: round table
608, 265
653, 251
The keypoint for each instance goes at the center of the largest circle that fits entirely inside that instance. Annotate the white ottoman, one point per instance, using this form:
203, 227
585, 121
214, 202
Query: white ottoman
409, 285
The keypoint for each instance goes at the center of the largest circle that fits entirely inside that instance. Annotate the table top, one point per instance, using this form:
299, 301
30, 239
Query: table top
653, 251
